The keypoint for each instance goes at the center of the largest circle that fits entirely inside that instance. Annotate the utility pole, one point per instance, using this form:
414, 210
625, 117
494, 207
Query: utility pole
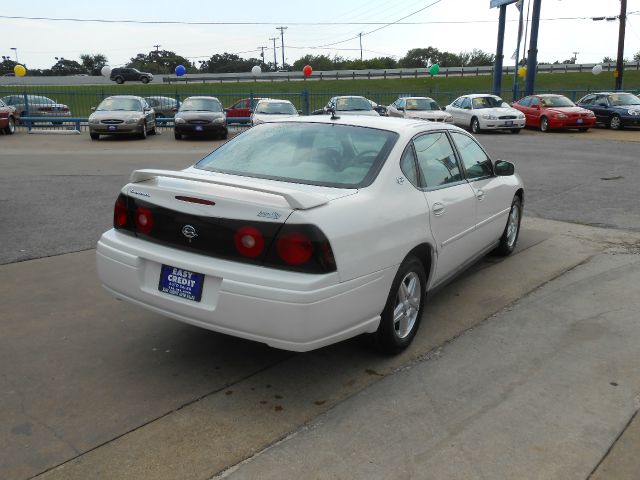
575, 57
157, 47
360, 35
620, 61
282, 29
262, 49
15, 50
275, 59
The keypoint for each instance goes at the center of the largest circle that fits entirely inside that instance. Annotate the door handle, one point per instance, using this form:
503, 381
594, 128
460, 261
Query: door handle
480, 195
438, 209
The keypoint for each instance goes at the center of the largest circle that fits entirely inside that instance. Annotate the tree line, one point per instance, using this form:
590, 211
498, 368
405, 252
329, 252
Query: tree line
164, 62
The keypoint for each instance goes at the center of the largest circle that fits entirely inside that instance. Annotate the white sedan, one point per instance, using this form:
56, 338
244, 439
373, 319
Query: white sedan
479, 112
303, 232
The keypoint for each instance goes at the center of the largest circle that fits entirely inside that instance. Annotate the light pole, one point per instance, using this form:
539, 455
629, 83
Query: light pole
16, 52
282, 29
620, 60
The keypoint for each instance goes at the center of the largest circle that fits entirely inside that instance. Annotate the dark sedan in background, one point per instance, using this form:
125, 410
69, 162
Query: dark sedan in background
200, 116
613, 109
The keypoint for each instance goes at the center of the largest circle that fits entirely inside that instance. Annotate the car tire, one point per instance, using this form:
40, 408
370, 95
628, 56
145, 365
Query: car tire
400, 319
544, 124
511, 230
583, 129
224, 135
144, 80
153, 130
94, 136
177, 136
615, 123
516, 131
143, 134
475, 125
10, 129
119, 80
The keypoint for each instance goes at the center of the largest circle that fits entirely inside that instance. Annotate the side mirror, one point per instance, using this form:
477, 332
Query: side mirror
93, 109
537, 107
401, 109
299, 112
504, 168
444, 109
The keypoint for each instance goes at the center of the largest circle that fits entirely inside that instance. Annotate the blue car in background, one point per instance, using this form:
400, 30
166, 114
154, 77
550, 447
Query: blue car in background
613, 109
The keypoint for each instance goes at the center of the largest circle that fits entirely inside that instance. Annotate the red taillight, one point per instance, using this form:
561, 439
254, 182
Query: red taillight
120, 214
144, 220
294, 248
249, 242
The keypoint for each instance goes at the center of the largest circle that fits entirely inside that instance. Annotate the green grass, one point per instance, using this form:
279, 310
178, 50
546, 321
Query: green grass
443, 89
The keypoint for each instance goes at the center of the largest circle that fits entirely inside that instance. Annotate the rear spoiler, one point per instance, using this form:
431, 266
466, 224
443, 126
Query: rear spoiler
295, 198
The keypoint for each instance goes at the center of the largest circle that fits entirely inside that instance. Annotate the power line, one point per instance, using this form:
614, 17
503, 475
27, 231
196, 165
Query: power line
383, 24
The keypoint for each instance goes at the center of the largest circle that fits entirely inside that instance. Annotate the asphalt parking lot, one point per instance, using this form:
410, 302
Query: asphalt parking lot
537, 351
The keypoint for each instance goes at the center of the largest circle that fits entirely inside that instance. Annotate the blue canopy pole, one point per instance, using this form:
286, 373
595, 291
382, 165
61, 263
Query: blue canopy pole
497, 68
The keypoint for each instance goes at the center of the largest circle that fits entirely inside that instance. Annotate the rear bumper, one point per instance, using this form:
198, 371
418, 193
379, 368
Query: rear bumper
287, 310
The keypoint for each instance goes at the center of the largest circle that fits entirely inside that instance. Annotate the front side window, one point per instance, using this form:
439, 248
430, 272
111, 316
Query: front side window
487, 102
525, 102
422, 104
475, 161
466, 104
330, 155
588, 100
436, 160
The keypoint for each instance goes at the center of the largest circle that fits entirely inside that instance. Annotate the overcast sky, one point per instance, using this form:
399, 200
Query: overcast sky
39, 41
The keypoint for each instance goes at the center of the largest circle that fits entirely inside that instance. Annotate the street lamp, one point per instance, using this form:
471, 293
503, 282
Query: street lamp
16, 52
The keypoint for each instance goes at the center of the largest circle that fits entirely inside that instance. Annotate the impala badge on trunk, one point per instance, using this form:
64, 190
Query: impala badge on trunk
189, 232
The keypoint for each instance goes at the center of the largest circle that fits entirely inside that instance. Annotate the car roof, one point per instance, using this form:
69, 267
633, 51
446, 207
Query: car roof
392, 124
132, 97
274, 100
416, 98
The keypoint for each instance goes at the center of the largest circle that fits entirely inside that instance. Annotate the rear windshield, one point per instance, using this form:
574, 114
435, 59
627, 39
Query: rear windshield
421, 104
128, 104
556, 102
201, 105
623, 99
353, 103
330, 155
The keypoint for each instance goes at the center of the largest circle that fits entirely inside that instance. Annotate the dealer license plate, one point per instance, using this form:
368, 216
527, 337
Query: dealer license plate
181, 283
580, 120
508, 123
112, 128
198, 128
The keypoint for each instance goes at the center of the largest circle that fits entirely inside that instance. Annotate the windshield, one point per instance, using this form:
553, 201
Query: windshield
276, 108
624, 99
330, 155
353, 103
128, 104
487, 102
201, 105
559, 101
421, 104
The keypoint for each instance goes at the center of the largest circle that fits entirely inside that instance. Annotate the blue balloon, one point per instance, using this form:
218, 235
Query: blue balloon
180, 70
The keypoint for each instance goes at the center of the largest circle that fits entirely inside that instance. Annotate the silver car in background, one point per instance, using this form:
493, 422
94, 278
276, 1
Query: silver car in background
165, 107
269, 109
424, 108
202, 115
122, 115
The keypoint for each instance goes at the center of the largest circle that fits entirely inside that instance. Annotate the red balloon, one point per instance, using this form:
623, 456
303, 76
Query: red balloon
306, 71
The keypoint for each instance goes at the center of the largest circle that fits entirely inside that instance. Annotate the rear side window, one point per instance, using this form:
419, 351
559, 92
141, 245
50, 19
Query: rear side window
475, 161
408, 165
436, 160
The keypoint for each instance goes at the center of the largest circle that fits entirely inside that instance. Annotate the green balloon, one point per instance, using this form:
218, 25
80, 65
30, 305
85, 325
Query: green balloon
434, 69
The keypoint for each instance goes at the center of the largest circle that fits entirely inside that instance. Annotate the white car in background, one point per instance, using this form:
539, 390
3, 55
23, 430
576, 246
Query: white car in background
479, 112
269, 109
348, 105
303, 232
424, 108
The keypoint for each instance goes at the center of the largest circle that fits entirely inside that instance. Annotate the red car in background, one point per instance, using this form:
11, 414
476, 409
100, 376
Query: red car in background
241, 110
551, 112
7, 118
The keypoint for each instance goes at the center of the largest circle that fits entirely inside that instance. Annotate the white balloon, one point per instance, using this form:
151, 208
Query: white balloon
256, 70
105, 71
597, 70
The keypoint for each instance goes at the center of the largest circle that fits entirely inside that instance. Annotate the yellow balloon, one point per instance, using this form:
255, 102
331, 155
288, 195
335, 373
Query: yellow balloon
522, 72
19, 70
